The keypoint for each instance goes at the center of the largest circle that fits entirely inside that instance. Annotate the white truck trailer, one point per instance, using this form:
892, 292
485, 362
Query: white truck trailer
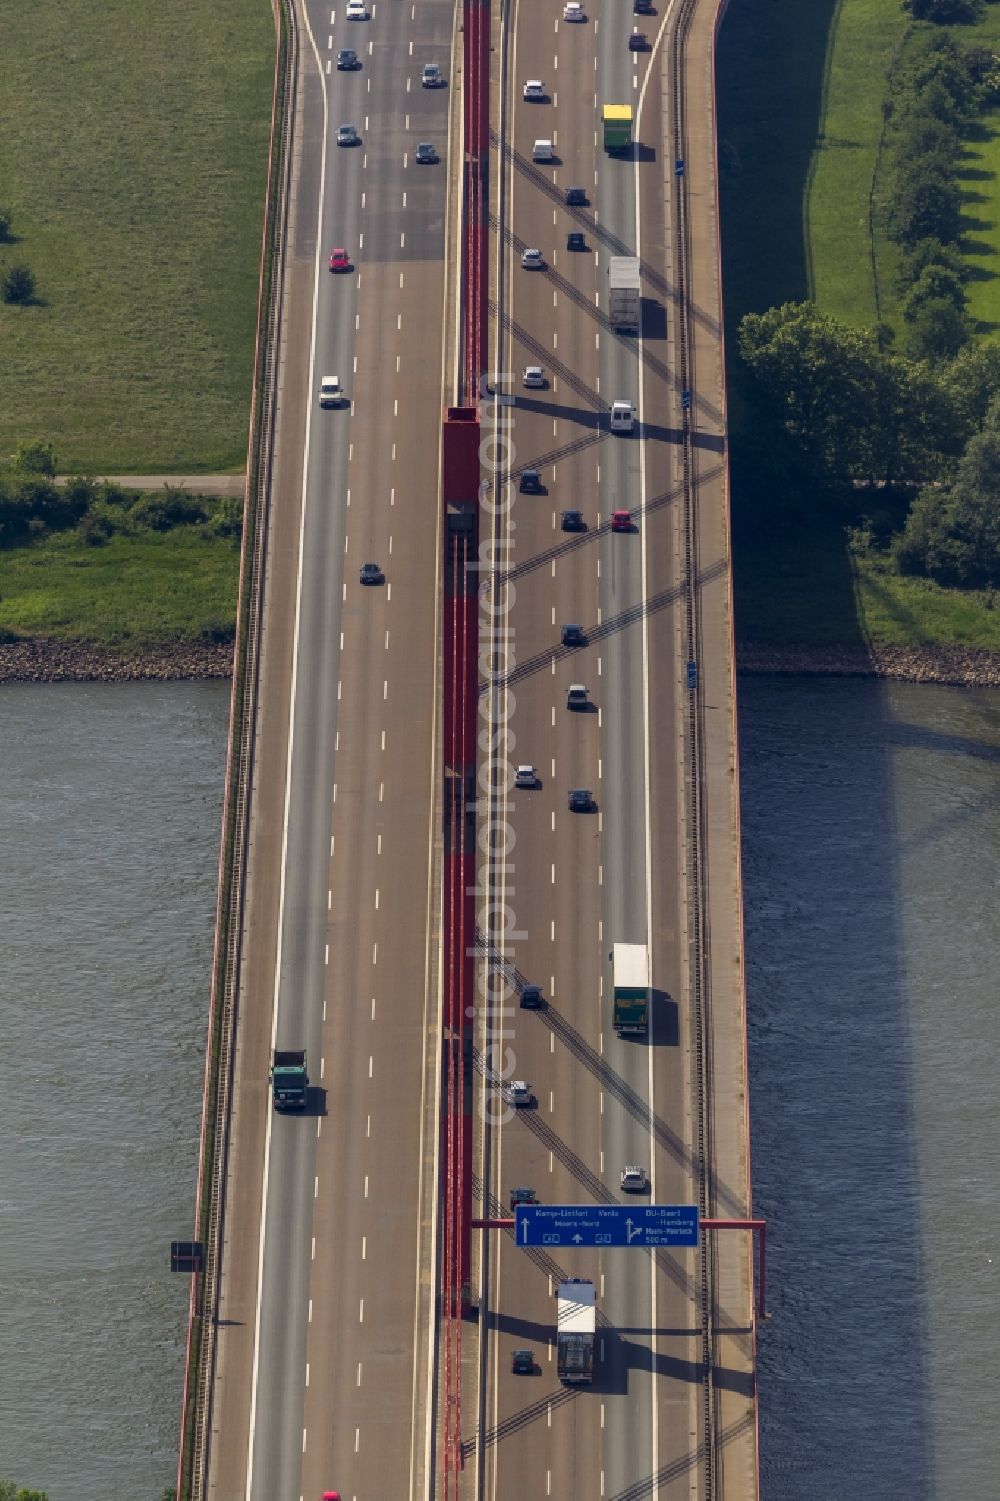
576, 1329
624, 298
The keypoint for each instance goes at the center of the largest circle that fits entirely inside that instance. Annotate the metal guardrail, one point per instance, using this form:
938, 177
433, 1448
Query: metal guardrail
200, 1368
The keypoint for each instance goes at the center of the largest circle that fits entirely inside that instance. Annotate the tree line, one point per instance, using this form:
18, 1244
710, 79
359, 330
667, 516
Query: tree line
33, 506
835, 410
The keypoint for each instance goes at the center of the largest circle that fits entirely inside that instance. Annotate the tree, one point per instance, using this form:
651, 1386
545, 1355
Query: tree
10, 1492
930, 252
973, 383
854, 410
936, 329
35, 456
817, 377
947, 12
6, 222
926, 205
952, 533
18, 285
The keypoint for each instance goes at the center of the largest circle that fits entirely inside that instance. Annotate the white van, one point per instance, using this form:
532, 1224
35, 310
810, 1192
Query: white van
577, 697
622, 416
542, 152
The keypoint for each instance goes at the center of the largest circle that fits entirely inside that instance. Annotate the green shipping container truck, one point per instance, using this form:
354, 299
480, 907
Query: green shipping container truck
616, 120
631, 963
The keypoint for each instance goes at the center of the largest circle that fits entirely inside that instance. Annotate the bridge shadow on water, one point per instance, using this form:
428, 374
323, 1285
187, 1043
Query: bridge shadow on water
845, 1394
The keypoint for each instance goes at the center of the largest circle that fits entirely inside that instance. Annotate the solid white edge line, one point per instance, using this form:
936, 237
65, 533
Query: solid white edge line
431, 890
288, 769
654, 1424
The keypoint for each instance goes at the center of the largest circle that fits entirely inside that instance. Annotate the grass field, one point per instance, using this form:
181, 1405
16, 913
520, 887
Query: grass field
837, 211
807, 589
153, 589
800, 111
135, 138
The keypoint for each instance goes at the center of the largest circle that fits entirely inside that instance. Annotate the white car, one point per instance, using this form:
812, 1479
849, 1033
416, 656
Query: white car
534, 89
356, 10
519, 1093
531, 260
533, 377
633, 1179
347, 135
525, 776
431, 76
331, 392
573, 11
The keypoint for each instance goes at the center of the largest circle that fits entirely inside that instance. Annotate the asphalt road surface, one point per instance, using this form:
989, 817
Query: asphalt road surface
325, 1376
581, 882
334, 1346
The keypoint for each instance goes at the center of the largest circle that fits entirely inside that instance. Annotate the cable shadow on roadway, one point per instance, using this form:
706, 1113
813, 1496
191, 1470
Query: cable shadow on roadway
617, 1087
641, 1490
594, 634
587, 538
523, 1418
586, 221
543, 353
627, 342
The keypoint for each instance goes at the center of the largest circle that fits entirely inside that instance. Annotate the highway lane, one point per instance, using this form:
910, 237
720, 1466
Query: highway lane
341, 1347
596, 1092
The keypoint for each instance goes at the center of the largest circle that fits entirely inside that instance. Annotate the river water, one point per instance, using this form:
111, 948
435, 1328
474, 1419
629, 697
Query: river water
872, 864
109, 826
871, 836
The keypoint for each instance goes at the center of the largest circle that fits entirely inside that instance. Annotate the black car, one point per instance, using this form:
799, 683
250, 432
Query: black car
522, 1196
371, 573
531, 482
643, 7
531, 998
638, 42
576, 240
572, 521
580, 800
522, 1363
572, 635
576, 196
347, 60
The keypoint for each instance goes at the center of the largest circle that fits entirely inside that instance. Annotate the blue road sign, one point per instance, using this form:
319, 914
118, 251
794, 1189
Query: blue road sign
679, 167
635, 1225
686, 400
692, 670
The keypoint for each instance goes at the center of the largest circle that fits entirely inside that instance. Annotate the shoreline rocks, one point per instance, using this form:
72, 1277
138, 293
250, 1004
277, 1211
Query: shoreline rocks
959, 666
48, 661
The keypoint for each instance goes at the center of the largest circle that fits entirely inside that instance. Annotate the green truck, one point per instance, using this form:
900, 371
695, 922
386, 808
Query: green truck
289, 1078
616, 123
631, 1013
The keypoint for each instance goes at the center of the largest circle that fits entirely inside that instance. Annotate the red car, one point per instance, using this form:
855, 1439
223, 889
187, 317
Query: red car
621, 521
340, 261
331, 1496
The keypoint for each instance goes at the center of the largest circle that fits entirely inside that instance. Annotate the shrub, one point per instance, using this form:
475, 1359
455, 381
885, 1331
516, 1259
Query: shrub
927, 206
947, 12
167, 508
34, 456
18, 285
936, 330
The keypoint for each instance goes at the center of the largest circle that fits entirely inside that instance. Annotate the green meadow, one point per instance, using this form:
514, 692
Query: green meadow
135, 144
800, 93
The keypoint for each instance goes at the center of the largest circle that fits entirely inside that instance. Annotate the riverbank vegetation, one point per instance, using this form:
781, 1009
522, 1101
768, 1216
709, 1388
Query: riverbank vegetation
92, 562
132, 183
866, 448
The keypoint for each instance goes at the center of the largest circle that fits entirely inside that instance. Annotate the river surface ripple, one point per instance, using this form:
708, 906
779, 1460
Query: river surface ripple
109, 823
871, 832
